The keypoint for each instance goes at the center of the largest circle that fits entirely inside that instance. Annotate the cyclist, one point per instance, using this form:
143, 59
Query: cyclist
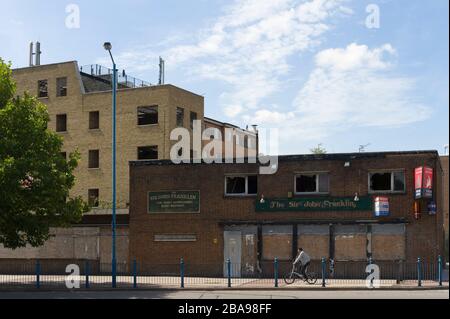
304, 260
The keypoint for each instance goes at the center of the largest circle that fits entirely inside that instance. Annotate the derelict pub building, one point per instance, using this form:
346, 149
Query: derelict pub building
343, 207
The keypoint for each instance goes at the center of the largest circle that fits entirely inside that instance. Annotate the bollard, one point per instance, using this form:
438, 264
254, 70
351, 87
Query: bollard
440, 270
229, 272
86, 266
419, 272
323, 272
182, 272
38, 274
275, 266
134, 273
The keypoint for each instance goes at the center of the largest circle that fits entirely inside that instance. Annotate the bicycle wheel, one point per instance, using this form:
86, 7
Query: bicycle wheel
311, 278
289, 278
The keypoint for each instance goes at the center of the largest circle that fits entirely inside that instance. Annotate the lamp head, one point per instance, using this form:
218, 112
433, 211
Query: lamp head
107, 46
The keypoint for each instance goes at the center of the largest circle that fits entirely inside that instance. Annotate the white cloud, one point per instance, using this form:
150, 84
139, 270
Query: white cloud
353, 87
247, 48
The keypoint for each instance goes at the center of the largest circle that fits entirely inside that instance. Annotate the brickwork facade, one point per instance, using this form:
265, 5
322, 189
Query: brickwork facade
355, 234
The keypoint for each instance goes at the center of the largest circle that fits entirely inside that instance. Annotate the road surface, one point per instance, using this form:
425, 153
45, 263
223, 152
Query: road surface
230, 294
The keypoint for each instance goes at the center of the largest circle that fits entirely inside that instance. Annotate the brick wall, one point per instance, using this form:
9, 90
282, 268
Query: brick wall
423, 237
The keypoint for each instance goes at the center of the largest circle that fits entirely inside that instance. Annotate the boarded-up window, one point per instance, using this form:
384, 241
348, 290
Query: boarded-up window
277, 242
388, 242
94, 120
351, 242
315, 240
61, 123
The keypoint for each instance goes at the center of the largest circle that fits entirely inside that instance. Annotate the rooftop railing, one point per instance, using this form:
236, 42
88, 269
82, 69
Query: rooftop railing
104, 73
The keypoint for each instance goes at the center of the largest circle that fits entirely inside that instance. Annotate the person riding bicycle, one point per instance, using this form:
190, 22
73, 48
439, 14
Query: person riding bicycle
303, 259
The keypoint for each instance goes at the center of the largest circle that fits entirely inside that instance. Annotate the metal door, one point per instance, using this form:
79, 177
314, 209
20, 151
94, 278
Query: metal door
232, 251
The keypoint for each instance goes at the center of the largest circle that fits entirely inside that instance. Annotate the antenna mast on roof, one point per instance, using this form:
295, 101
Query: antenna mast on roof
161, 71
37, 54
31, 53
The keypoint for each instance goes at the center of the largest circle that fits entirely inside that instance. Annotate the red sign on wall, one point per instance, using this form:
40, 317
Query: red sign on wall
423, 181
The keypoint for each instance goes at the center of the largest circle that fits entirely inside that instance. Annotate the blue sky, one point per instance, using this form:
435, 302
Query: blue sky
312, 69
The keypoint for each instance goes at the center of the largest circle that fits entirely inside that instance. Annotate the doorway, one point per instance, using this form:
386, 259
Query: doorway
232, 251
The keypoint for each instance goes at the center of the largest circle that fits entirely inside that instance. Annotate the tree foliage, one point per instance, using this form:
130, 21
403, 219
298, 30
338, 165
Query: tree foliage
318, 149
35, 179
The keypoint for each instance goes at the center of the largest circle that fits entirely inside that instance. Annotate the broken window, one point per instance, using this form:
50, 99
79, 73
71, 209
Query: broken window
312, 183
61, 86
94, 120
241, 185
180, 116
43, 88
387, 181
148, 153
148, 115
93, 199
94, 159
61, 123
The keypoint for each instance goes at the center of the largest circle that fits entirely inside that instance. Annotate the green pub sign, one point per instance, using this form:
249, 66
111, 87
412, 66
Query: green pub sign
314, 204
174, 202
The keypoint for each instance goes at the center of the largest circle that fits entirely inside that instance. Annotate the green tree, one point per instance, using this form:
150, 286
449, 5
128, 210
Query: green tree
318, 149
35, 179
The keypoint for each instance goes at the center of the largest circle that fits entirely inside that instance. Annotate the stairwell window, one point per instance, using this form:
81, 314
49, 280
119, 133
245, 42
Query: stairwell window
312, 183
241, 185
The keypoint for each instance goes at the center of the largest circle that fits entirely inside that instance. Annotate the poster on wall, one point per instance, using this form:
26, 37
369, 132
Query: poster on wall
381, 205
423, 181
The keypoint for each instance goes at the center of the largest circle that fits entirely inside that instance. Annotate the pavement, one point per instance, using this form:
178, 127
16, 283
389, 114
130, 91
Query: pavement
230, 294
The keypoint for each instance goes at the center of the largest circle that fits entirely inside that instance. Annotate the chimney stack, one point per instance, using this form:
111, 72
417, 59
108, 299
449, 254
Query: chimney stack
37, 54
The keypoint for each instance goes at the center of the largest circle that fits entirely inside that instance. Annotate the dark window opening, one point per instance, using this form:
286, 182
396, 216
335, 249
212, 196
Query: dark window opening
61, 87
43, 88
61, 123
252, 184
148, 153
94, 159
306, 184
180, 116
147, 115
93, 195
241, 185
94, 120
312, 183
235, 185
399, 181
380, 182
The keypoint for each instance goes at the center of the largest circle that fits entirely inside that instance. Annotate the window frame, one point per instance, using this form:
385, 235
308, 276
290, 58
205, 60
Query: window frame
310, 173
246, 194
98, 159
98, 120
98, 197
56, 124
148, 106
39, 89
392, 172
62, 87
176, 116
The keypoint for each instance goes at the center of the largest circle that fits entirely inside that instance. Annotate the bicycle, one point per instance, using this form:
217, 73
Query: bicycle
290, 277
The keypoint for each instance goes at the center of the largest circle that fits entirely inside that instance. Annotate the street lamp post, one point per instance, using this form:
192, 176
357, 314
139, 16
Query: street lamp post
108, 48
